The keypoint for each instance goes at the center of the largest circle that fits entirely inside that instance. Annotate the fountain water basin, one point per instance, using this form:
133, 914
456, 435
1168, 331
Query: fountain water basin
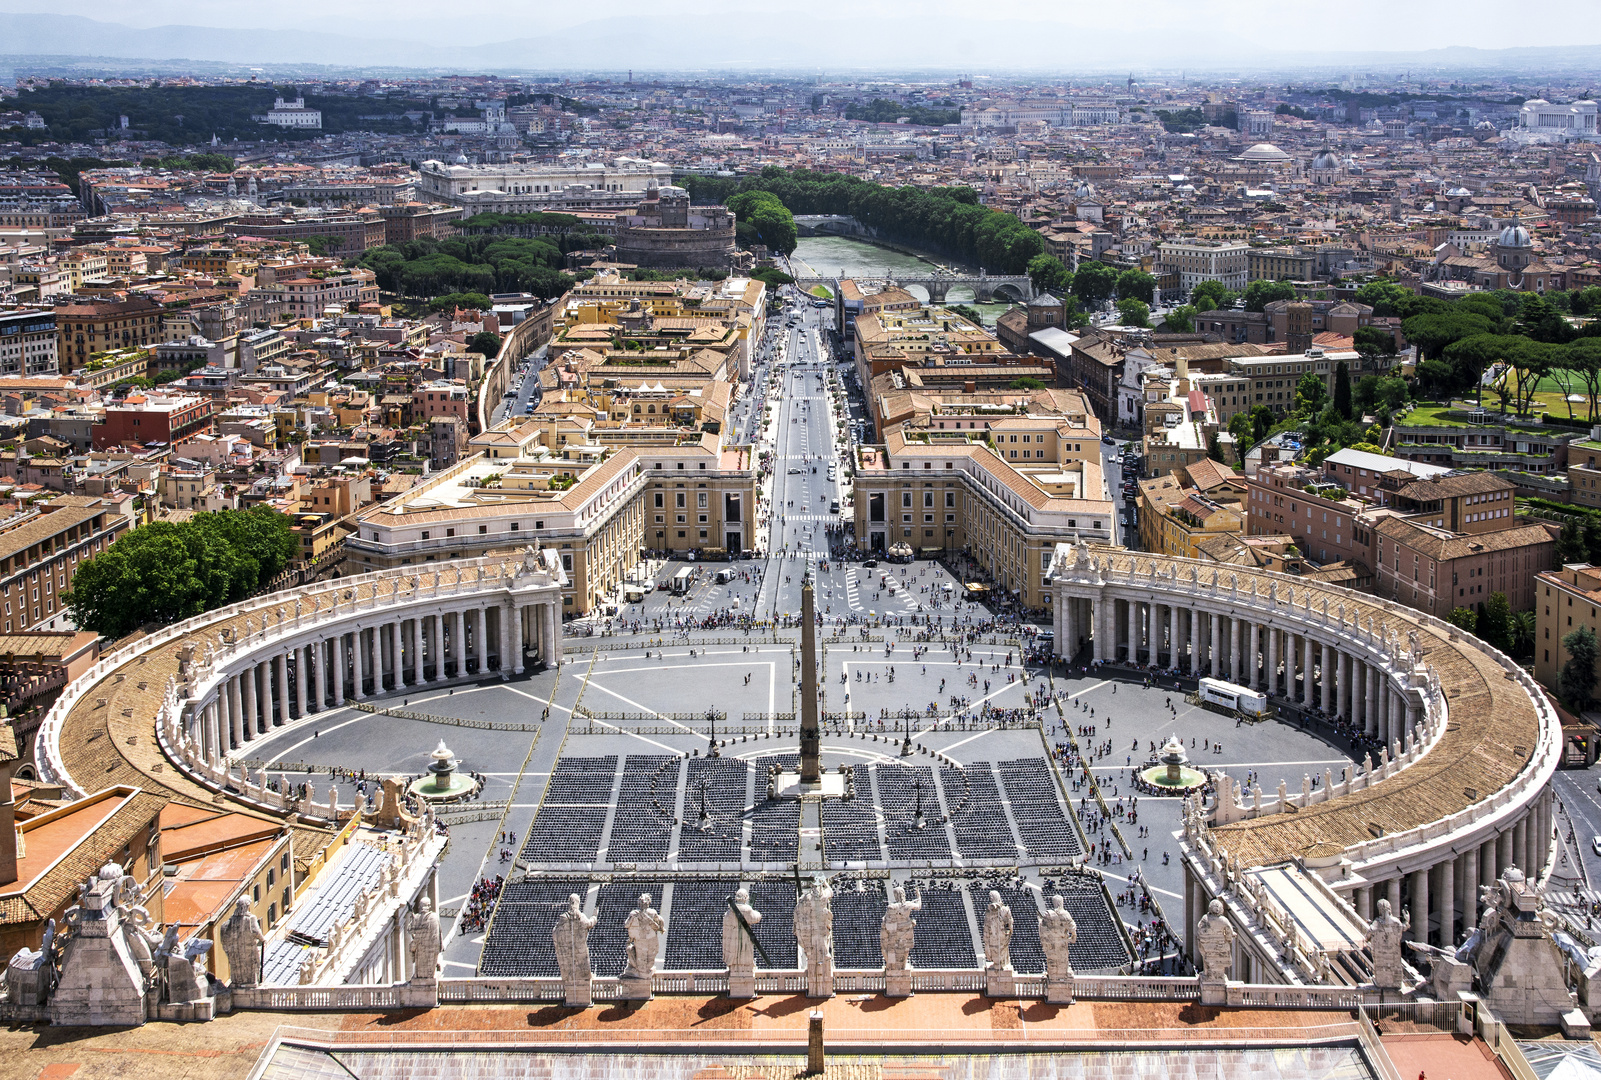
1173, 771
444, 782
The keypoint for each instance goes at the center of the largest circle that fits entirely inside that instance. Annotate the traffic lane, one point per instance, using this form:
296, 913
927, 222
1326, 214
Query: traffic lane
1581, 805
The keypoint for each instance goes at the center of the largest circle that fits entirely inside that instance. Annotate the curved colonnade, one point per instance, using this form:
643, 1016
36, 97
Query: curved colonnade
170, 712
1465, 743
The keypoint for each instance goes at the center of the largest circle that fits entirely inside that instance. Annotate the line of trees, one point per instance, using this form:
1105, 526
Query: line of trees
947, 221
471, 264
166, 571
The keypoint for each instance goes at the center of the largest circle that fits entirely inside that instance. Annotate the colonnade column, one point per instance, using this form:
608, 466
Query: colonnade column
1520, 845
1308, 688
1448, 903
1237, 668
516, 641
1503, 852
283, 689
1420, 907
1343, 680
1133, 631
1066, 630
481, 639
1215, 668
358, 664
1272, 660
1470, 885
1173, 650
415, 642
300, 679
319, 650
1370, 706
553, 619
236, 715
247, 679
1327, 678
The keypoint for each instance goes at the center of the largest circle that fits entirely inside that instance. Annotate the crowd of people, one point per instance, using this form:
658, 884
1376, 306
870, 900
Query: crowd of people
481, 904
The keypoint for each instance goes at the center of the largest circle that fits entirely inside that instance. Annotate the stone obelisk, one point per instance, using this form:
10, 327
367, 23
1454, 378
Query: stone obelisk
811, 766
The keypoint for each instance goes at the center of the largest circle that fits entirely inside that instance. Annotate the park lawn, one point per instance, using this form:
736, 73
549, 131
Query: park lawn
822, 292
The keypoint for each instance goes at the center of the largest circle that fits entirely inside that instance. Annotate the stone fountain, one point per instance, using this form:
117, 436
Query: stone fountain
444, 782
1173, 769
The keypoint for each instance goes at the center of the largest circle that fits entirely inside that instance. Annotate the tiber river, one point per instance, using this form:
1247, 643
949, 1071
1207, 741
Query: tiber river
828, 256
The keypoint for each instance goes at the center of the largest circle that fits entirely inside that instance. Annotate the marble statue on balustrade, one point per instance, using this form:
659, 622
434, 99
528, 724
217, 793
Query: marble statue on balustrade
1516, 962
645, 928
570, 935
188, 981
739, 945
242, 943
896, 936
814, 931
999, 976
1214, 942
422, 931
1058, 933
1384, 937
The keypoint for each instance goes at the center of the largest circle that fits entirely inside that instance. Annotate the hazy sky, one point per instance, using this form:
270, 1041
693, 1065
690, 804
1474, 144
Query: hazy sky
1226, 26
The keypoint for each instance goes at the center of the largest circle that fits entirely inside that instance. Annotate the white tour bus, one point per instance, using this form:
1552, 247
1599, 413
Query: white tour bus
1226, 697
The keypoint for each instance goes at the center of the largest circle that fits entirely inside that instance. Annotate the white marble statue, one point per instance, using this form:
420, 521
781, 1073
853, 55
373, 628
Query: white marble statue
814, 931
1384, 937
1214, 941
570, 936
739, 945
997, 935
242, 942
898, 932
1058, 932
423, 928
645, 928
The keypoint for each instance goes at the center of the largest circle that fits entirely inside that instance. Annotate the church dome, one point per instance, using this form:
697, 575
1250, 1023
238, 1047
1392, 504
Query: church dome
1264, 152
1085, 190
1514, 236
1325, 160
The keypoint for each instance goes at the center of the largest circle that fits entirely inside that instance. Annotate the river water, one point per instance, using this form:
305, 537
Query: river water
828, 256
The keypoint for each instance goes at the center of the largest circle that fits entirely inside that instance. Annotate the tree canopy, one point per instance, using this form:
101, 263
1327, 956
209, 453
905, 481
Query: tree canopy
1259, 294
166, 571
763, 219
469, 264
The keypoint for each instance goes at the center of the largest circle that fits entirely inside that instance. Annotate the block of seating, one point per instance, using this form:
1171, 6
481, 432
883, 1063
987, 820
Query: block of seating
724, 782
858, 914
695, 924
850, 829
640, 832
608, 942
897, 796
1027, 956
1047, 833
944, 938
774, 822
572, 815
1101, 945
518, 944
775, 899
982, 831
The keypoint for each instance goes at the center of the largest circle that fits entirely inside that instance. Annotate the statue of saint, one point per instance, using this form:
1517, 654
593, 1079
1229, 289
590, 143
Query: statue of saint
898, 932
997, 935
739, 944
570, 935
1214, 940
645, 928
1058, 932
423, 927
814, 927
1384, 937
242, 942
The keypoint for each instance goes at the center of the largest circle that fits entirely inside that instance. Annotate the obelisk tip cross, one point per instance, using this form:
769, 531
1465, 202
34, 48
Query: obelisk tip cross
811, 766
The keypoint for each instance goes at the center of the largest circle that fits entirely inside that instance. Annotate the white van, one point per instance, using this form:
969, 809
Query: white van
724, 576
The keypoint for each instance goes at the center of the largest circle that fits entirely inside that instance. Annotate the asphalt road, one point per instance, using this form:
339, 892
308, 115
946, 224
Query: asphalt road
523, 388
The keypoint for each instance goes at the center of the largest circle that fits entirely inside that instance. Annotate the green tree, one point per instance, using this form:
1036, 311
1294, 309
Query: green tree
1262, 422
1259, 294
1342, 390
1132, 312
1523, 627
1025, 382
1373, 341
486, 342
166, 571
1465, 618
1384, 297
1240, 428
1576, 682
1212, 296
1180, 320
1094, 283
761, 217
1310, 395
1214, 449
1495, 622
1381, 393
1431, 333
1136, 284
1570, 543
1047, 274
466, 301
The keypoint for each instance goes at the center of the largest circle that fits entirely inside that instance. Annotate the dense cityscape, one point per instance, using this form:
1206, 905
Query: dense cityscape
529, 572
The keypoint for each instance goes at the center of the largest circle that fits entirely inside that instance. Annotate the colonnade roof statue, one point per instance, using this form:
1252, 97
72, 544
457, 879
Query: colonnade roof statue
1496, 727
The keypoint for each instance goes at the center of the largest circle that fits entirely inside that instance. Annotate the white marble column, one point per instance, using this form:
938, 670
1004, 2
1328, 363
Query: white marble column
1327, 677
1215, 647
1470, 885
300, 680
1236, 650
282, 663
1066, 629
518, 637
1308, 683
358, 663
337, 667
1370, 708
1420, 907
1448, 903
415, 643
1343, 665
1272, 660
1174, 651
481, 638
1133, 631
236, 714
247, 696
553, 620
319, 669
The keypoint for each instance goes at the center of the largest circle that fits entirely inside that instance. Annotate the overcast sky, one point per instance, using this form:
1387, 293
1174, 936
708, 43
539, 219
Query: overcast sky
1222, 24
